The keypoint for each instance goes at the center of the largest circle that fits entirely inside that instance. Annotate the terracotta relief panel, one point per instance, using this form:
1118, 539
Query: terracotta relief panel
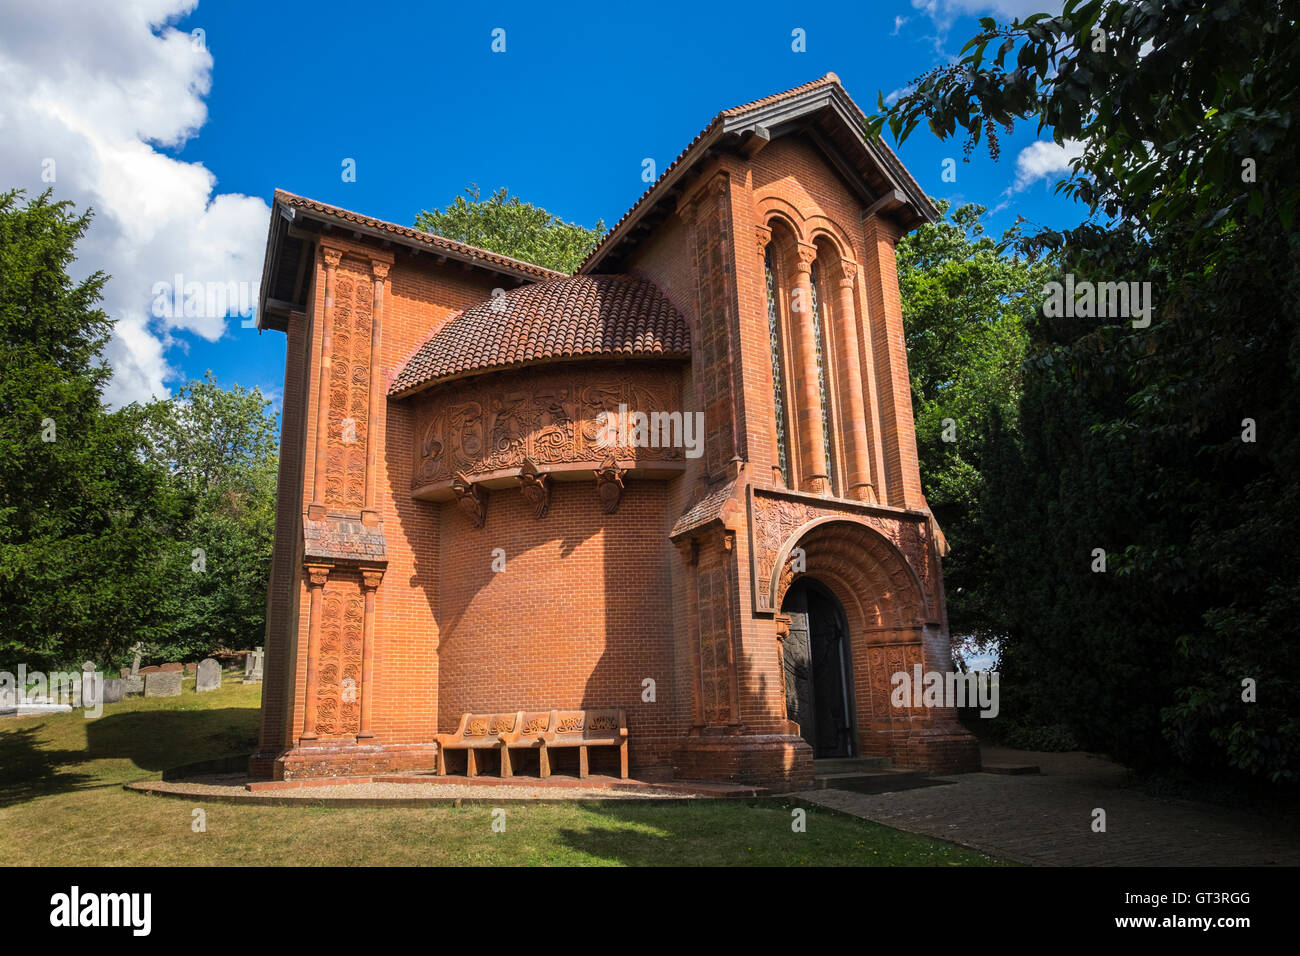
349, 399
714, 304
715, 640
338, 694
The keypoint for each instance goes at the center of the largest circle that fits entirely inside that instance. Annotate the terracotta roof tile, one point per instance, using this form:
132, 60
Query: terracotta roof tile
574, 317
493, 259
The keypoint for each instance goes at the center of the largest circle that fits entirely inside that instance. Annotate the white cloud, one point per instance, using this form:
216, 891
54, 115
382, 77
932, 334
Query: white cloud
1042, 159
943, 13
898, 24
894, 95
99, 88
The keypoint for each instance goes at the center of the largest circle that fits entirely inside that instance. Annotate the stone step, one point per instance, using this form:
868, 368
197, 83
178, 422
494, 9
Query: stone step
885, 781
828, 765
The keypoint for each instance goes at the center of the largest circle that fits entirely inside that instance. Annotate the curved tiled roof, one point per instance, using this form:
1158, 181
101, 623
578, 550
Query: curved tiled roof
574, 317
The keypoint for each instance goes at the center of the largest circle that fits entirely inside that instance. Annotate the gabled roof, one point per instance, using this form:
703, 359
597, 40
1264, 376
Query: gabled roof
286, 269
418, 237
837, 124
577, 317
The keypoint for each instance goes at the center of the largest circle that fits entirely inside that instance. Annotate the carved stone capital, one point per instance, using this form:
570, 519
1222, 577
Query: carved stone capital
848, 272
317, 574
370, 578
472, 499
807, 255
332, 256
609, 484
379, 269
763, 237
783, 622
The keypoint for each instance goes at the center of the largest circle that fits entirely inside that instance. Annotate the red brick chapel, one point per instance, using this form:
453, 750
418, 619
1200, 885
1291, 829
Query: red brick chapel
452, 535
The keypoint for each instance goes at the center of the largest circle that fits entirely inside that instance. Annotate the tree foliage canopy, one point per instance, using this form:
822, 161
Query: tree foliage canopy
506, 224
1171, 446
101, 511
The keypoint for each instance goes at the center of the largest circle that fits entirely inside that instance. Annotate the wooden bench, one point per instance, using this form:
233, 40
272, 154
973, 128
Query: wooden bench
584, 729
480, 732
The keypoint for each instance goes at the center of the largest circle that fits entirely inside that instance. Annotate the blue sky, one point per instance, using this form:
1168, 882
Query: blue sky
563, 118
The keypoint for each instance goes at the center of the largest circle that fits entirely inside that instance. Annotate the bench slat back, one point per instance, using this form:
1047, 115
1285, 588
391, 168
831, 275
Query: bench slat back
488, 725
599, 724
536, 723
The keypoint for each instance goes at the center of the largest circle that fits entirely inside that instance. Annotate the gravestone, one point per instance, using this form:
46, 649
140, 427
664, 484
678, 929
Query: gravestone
114, 689
133, 686
253, 667
174, 667
191, 668
124, 672
162, 684
91, 691
135, 662
208, 676
151, 669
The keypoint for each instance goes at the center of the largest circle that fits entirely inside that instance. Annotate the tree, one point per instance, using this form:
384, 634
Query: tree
218, 447
1168, 441
965, 306
506, 224
79, 507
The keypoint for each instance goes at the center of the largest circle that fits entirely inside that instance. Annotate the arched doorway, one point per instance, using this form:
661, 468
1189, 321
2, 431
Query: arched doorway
818, 669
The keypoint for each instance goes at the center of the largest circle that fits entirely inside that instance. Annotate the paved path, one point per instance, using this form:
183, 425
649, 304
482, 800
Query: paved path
1047, 819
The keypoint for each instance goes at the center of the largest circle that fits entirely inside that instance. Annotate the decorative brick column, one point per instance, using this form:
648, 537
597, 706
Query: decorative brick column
369, 513
370, 579
763, 238
316, 510
852, 406
815, 473
317, 575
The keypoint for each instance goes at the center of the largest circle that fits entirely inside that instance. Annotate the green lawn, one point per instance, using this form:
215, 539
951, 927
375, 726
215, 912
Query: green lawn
62, 802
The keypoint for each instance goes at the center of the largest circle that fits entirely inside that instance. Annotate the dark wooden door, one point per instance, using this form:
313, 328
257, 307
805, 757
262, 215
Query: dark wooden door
832, 721
799, 692
816, 685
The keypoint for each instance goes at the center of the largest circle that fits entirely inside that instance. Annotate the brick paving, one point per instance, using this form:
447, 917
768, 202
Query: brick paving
1046, 819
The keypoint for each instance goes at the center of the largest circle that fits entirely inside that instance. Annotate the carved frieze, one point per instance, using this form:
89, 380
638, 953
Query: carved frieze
551, 418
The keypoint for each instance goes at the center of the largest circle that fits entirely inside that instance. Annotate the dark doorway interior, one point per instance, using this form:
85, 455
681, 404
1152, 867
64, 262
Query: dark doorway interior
817, 693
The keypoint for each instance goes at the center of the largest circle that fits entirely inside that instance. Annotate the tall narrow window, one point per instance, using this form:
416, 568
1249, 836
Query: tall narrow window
821, 379
778, 386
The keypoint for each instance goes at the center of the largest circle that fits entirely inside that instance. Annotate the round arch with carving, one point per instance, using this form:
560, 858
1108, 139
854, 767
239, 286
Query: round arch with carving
873, 575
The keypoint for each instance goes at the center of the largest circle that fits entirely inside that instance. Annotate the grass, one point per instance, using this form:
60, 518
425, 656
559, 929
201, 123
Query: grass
62, 803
